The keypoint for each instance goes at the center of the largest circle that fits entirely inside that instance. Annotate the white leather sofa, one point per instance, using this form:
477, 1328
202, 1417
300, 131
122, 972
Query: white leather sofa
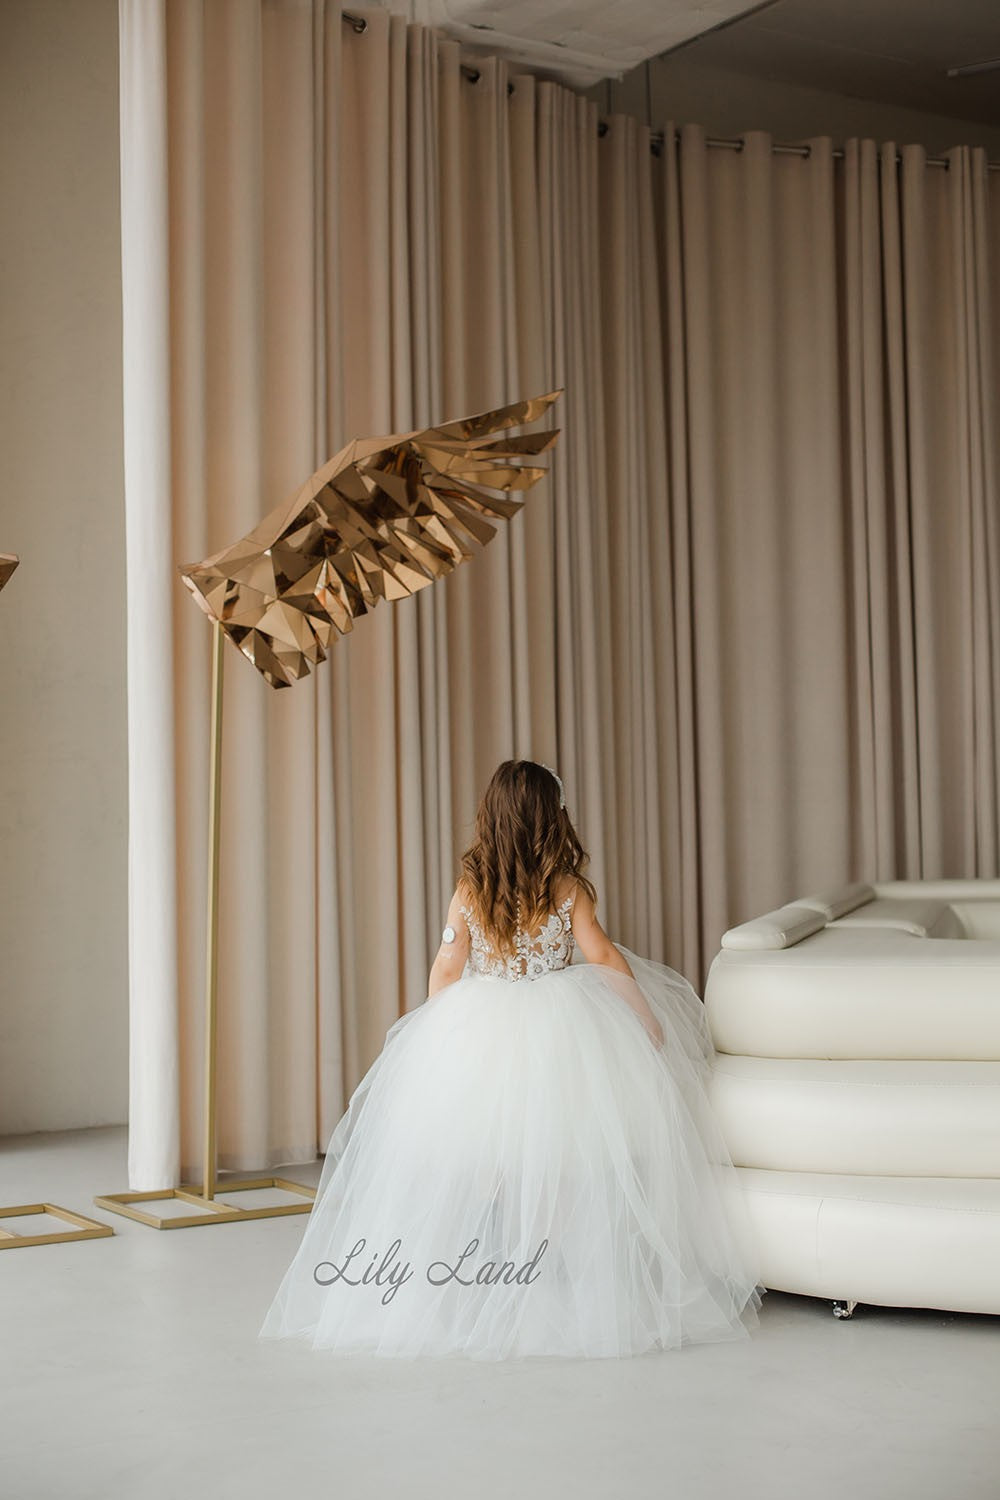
857, 1079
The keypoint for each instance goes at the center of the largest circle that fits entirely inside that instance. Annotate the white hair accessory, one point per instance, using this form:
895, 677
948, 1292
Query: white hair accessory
562, 793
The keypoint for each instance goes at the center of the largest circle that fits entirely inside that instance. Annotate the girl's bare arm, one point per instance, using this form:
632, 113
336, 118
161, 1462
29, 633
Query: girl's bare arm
451, 957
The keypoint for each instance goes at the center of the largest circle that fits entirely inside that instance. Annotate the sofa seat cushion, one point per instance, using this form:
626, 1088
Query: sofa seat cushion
853, 992
914, 1118
892, 1242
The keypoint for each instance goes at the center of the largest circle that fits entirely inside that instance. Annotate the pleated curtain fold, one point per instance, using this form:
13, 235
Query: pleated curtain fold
751, 613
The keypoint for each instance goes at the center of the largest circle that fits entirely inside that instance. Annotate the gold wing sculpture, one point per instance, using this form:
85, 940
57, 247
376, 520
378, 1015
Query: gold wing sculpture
8, 562
383, 518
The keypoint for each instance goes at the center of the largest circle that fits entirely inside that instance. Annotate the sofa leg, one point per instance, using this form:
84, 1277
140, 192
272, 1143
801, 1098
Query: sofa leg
844, 1309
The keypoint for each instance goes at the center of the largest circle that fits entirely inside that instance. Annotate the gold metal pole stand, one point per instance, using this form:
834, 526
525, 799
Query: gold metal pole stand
209, 1209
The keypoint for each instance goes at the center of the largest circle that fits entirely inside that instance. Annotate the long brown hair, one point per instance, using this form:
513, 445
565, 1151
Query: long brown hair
524, 842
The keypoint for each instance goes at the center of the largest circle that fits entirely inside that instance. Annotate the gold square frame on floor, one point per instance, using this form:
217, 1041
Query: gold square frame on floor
212, 1211
87, 1229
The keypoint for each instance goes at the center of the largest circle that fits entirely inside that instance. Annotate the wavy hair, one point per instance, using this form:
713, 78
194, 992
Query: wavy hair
524, 841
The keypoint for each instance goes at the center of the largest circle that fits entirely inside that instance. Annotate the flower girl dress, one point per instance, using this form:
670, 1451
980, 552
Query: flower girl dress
522, 1171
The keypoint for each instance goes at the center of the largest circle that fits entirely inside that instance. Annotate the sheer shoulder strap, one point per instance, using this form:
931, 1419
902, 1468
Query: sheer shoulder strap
568, 903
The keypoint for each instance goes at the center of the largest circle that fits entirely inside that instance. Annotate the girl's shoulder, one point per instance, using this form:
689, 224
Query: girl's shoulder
583, 893
569, 888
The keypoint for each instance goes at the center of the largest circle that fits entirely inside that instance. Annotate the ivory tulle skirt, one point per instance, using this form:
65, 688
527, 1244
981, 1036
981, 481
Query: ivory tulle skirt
522, 1172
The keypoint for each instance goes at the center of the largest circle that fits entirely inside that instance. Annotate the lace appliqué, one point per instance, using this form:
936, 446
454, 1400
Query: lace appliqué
548, 949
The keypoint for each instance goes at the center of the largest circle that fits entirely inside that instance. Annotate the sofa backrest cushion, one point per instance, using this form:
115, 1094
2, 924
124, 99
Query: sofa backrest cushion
776, 929
921, 918
839, 902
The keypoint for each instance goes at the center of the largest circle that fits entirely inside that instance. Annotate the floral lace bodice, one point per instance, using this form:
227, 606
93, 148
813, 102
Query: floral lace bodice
550, 948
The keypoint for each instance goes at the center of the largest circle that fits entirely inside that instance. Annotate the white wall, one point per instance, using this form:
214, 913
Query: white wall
63, 810
63, 814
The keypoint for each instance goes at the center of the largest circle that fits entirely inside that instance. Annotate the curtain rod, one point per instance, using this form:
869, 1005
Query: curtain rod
657, 137
737, 144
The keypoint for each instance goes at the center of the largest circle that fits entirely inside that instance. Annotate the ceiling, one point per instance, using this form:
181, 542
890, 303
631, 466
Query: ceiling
893, 51
577, 41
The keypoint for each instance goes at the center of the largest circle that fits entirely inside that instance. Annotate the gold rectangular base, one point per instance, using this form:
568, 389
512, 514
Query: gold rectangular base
212, 1211
87, 1229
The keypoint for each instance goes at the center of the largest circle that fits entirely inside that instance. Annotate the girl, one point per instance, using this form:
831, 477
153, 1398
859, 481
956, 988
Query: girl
531, 1165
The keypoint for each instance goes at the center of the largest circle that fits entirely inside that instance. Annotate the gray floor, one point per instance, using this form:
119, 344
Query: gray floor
130, 1367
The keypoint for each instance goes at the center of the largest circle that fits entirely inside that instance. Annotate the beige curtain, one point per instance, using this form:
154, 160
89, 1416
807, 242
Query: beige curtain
923, 406
751, 613
755, 501
832, 402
